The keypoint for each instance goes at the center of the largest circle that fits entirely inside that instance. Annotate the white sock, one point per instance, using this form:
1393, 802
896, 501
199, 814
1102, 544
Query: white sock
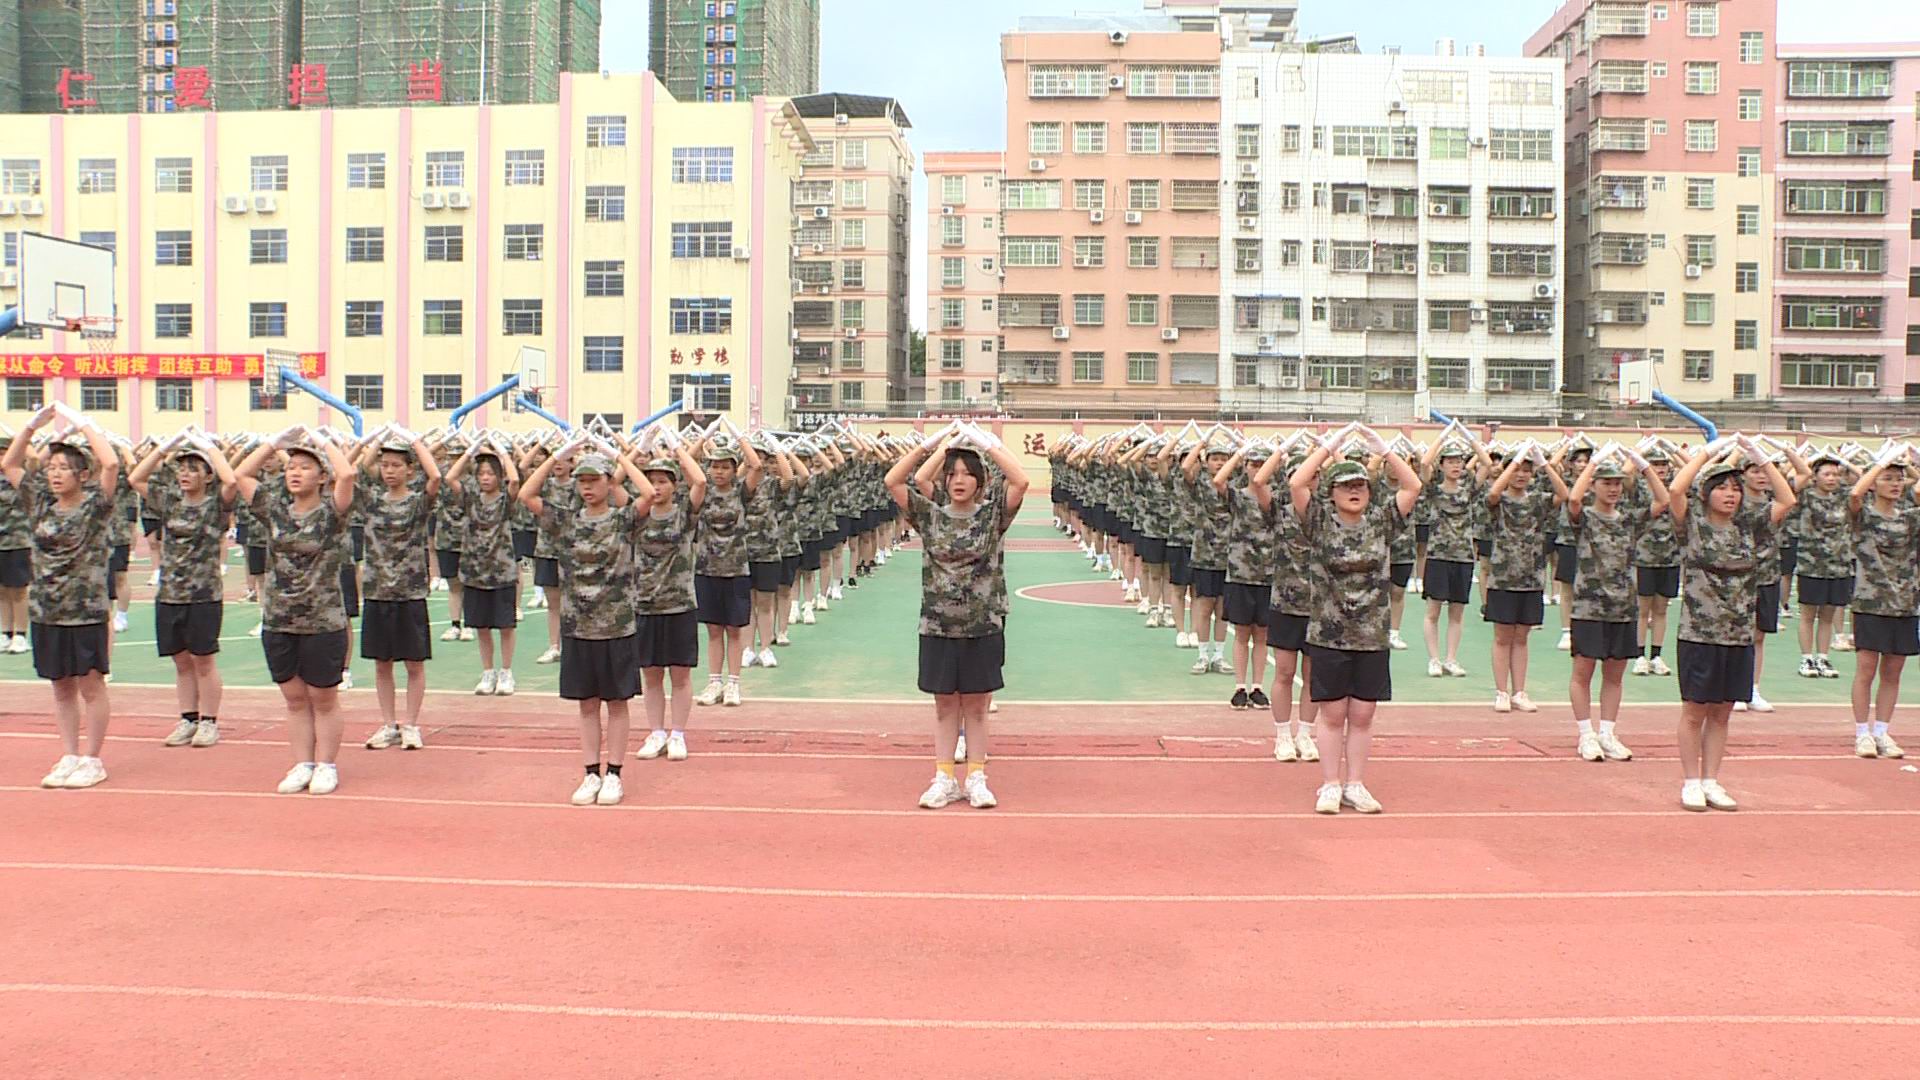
1859, 730
1879, 728
681, 732
1606, 727
1584, 727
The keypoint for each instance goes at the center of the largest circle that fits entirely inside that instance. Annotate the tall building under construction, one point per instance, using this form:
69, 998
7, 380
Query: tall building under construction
173, 55
732, 50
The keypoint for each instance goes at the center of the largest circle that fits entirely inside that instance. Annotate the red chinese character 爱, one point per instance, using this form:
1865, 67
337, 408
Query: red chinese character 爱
423, 81
190, 86
307, 85
69, 94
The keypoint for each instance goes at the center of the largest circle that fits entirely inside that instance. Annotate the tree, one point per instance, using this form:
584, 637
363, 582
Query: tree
917, 355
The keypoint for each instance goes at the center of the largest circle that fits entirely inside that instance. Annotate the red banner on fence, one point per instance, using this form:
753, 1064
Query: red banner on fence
148, 365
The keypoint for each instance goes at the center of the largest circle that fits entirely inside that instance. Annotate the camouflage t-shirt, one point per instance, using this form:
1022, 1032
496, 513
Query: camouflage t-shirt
126, 511
788, 517
192, 542
1719, 578
961, 570
486, 554
1404, 541
723, 532
1294, 562
1658, 545
1453, 517
16, 533
1180, 523
450, 516
304, 556
1750, 505
1826, 541
1603, 582
396, 563
597, 562
1212, 523
1886, 546
69, 556
1250, 552
555, 492
1351, 605
763, 520
1519, 526
663, 559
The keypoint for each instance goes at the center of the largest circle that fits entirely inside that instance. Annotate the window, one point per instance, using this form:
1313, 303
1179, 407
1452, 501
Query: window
1703, 77
1447, 143
1194, 312
1746, 334
104, 239
98, 395
1703, 19
1697, 365
1746, 387
1143, 369
1089, 309
606, 202
172, 320
1520, 144
442, 318
606, 131
703, 164
603, 354
1749, 105
1089, 367
260, 401
1246, 256
1700, 249
369, 392
1748, 162
173, 395
173, 175
1699, 193
26, 395
1199, 195
700, 315
1089, 195
267, 319
853, 393
173, 247
1031, 194
19, 176
1246, 140
1746, 277
1703, 136
1143, 310
520, 317
267, 246
445, 243
1031, 251
525, 243
1837, 197
366, 244
1845, 256
1290, 138
1699, 309
1143, 252
526, 168
1520, 260
853, 274
953, 314
1143, 194
953, 272
366, 172
440, 392
269, 172
953, 391
98, 176
1067, 80
1746, 220
1445, 258
1173, 80
853, 314
1089, 252
1820, 371
1520, 373
1089, 137
1753, 47
953, 231
700, 239
1043, 138
953, 190
448, 169
366, 318
1838, 138
606, 277
1143, 138
853, 233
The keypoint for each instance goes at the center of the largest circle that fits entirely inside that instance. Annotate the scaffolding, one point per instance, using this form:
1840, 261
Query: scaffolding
255, 43
529, 55
776, 46
580, 35
370, 46
9, 57
49, 41
468, 46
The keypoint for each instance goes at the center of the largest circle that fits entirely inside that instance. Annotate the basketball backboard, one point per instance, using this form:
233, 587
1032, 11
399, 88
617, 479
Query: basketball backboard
63, 282
1636, 382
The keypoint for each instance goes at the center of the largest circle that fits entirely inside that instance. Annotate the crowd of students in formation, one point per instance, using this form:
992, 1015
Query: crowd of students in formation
1305, 547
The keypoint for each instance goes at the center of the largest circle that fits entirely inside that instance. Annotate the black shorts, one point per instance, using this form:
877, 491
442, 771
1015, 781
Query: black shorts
1286, 633
1890, 635
190, 628
723, 601
523, 543
65, 652
16, 568
1400, 573
149, 526
599, 670
809, 556
395, 630
1152, 550
1484, 547
120, 558
1343, 673
489, 609
1715, 674
350, 591
315, 659
666, 641
1515, 607
256, 561
359, 542
546, 573
1211, 583
1566, 559
1422, 533
962, 665
1766, 608
1247, 604
765, 576
1126, 534
1826, 591
789, 570
1604, 640
848, 527
1789, 558
1657, 581
1447, 581
1179, 565
449, 563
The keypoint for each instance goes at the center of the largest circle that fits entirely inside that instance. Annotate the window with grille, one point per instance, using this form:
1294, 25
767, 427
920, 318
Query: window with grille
700, 315
1030, 251
446, 168
1089, 309
267, 246
173, 395
172, 320
520, 317
445, 243
269, 172
525, 168
267, 319
606, 202
606, 131
1143, 369
442, 318
366, 244
98, 176
366, 318
1700, 193
603, 353
1044, 137
173, 175
1697, 365
366, 172
524, 243
99, 395
1143, 194
440, 392
1520, 144
369, 392
173, 247
1699, 309
702, 239
1143, 252
1067, 80
606, 277
1143, 138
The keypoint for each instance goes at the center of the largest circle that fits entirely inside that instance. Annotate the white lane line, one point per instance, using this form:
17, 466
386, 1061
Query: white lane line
559, 803
608, 1012
984, 897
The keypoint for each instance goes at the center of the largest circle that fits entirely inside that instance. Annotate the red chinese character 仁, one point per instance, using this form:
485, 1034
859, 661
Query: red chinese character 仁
720, 356
69, 94
423, 81
307, 85
190, 86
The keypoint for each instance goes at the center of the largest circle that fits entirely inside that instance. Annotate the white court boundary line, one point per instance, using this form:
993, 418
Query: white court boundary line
607, 1012
785, 892
560, 804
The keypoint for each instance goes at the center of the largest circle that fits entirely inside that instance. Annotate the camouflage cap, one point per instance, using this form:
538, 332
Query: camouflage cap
1608, 470
1259, 452
1347, 472
723, 448
665, 465
318, 457
1453, 450
1716, 472
1657, 456
593, 465
396, 446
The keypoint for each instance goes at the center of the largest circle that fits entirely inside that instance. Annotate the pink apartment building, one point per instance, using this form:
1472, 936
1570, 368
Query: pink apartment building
1110, 216
963, 280
1847, 322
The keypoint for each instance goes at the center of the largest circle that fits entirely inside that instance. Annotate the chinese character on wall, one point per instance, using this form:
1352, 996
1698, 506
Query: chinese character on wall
307, 85
423, 81
70, 90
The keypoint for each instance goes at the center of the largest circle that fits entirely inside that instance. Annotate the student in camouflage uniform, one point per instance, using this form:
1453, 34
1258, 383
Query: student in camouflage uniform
250, 533
397, 503
962, 597
1453, 483
1720, 584
1211, 520
1250, 561
1522, 512
1826, 564
1170, 490
1352, 537
126, 511
193, 512
1886, 538
305, 641
1575, 461
668, 643
16, 566
786, 604
489, 572
546, 565
1768, 607
1147, 464
810, 516
722, 576
1656, 568
1289, 610
1602, 607
1401, 560
449, 535
765, 509
68, 504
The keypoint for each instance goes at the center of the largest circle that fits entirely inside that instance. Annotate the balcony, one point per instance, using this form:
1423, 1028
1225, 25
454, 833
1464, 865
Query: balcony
1836, 314
1618, 249
1395, 259
1374, 316
1193, 139
1619, 20
1618, 309
1619, 77
1619, 193
1519, 317
1839, 79
1030, 369
1627, 136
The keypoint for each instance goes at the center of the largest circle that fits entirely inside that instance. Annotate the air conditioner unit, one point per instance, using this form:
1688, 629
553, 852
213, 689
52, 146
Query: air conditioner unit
826, 369
1546, 215
237, 204
1865, 380
821, 212
9, 279
842, 119
1496, 383
1116, 82
1396, 106
1248, 168
1249, 222
1036, 164
1543, 291
1082, 262
1438, 209
1134, 217
826, 290
264, 204
8, 207
32, 207
948, 211
1118, 37
850, 333
819, 249
1693, 270
1605, 316
1478, 141
458, 200
1289, 382
1171, 333
1096, 216
1268, 341
1061, 333
1478, 314
742, 252
1593, 331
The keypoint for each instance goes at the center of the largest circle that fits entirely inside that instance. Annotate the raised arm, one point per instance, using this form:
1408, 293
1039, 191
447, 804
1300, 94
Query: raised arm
1300, 487
344, 476
1682, 487
1220, 479
14, 464
1577, 498
1260, 484
1409, 481
247, 475
636, 475
1016, 478
107, 457
144, 469
901, 475
755, 465
696, 478
229, 483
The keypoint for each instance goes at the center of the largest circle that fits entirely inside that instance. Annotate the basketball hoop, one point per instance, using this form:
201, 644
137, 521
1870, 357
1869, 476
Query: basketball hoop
100, 332
273, 371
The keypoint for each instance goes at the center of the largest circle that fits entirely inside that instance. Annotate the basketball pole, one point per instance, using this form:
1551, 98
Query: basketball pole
9, 320
1705, 425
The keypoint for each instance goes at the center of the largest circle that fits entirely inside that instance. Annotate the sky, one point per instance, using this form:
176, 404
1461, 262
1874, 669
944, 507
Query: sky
941, 59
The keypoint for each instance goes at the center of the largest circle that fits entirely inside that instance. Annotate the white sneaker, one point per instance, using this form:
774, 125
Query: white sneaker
588, 791
61, 770
1739, 706
1357, 796
1501, 702
1641, 667
748, 657
1202, 665
326, 778
1142, 608
782, 640
1660, 666
489, 682
205, 734
1863, 747
1615, 750
1841, 642
1590, 747
730, 697
20, 645
89, 772
119, 622
1717, 796
467, 633
346, 680
410, 737
1887, 747
1523, 703
1308, 749
806, 614
297, 779
257, 628
1283, 748
539, 601
677, 746
1395, 641
451, 633
439, 584
768, 660
610, 790
944, 790
182, 733
1759, 704
503, 683
383, 736
835, 592
793, 611
1327, 799
711, 695
1693, 796
1453, 668
1435, 669
1222, 666
551, 656
153, 580
653, 747
978, 796
1566, 641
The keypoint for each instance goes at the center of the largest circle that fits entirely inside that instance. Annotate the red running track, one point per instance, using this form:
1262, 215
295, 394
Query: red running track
786, 912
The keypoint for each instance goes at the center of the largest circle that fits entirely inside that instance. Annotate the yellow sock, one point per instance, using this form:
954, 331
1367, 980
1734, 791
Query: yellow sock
945, 767
976, 766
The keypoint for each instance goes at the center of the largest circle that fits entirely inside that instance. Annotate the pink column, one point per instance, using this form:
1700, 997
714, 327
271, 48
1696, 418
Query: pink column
757, 264
324, 178
209, 262
56, 191
561, 363
125, 256
643, 270
402, 320
483, 255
